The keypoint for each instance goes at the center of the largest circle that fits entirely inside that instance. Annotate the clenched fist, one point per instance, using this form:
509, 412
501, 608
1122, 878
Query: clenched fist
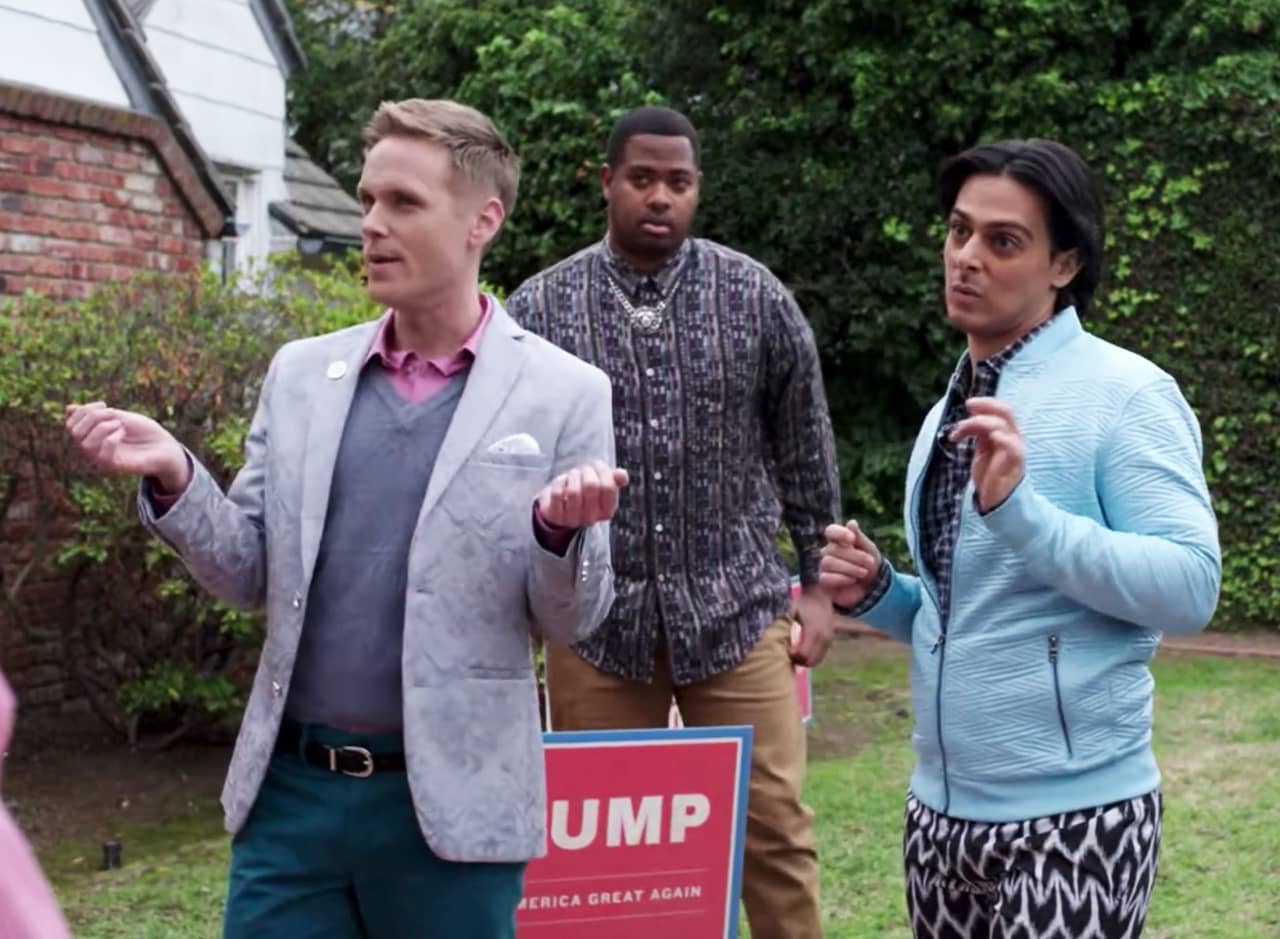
583, 496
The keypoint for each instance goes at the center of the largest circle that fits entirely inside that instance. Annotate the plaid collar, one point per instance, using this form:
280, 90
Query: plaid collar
988, 370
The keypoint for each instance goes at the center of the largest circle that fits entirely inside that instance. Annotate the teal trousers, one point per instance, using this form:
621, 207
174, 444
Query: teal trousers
327, 856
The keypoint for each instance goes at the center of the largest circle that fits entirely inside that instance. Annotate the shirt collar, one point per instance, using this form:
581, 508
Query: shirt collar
993, 365
631, 280
402, 359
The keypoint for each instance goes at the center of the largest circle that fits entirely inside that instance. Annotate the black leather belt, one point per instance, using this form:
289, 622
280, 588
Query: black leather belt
350, 761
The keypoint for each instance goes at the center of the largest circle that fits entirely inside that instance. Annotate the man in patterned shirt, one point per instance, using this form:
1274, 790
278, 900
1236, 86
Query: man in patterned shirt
721, 418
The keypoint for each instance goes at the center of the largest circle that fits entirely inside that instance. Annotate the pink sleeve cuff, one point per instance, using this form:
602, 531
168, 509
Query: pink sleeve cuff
554, 538
163, 501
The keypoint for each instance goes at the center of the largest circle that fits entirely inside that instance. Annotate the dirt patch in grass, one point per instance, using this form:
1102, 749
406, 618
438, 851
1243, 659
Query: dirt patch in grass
70, 799
861, 696
1214, 774
1253, 645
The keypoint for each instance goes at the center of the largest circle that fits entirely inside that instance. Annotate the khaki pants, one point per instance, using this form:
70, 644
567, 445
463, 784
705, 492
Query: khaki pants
780, 872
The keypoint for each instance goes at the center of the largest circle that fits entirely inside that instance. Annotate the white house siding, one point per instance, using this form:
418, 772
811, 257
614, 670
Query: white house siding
231, 90
54, 45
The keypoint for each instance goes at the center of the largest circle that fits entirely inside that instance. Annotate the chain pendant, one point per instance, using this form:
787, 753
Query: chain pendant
644, 319
647, 319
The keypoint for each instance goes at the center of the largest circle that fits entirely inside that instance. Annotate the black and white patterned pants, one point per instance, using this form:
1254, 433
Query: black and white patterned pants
1078, 875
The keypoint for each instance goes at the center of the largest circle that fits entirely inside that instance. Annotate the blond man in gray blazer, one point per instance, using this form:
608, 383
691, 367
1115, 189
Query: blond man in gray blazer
419, 493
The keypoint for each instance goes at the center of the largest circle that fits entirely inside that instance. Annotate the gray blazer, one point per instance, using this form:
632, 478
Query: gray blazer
478, 581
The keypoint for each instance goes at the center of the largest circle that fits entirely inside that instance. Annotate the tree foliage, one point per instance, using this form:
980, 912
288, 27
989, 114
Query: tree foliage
823, 122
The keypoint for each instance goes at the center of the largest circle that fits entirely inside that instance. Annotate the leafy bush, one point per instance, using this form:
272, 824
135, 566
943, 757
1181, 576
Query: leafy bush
152, 652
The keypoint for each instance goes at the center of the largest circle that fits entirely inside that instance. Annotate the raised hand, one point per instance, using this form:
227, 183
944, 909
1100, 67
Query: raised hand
850, 565
583, 496
999, 456
129, 443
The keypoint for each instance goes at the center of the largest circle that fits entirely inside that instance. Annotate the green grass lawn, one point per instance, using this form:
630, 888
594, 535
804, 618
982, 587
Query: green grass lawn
1218, 741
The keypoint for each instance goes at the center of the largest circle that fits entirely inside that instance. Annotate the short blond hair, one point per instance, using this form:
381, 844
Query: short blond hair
477, 148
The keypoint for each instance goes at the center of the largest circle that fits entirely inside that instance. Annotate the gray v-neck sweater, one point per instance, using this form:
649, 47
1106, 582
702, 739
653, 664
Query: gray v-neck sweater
347, 672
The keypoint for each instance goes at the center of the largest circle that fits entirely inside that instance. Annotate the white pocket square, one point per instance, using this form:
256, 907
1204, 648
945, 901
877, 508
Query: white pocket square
516, 444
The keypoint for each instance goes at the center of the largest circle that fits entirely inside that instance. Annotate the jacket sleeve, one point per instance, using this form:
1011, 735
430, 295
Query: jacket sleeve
891, 607
798, 429
220, 537
570, 595
1156, 561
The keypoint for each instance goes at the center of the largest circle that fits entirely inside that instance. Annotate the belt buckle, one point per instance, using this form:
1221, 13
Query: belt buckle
363, 773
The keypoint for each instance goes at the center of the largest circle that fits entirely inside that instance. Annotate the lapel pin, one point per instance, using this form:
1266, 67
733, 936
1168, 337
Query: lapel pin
336, 370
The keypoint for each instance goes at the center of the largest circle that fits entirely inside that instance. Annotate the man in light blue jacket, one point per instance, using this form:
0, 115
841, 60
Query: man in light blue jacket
1059, 519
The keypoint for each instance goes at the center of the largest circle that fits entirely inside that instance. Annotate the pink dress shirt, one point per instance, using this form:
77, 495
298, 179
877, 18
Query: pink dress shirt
27, 907
415, 378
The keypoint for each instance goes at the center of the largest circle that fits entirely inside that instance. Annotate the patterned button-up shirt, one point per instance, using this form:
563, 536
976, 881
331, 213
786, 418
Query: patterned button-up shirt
721, 419
948, 473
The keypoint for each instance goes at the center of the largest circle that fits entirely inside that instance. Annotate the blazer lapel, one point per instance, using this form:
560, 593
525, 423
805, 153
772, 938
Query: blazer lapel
498, 364
336, 381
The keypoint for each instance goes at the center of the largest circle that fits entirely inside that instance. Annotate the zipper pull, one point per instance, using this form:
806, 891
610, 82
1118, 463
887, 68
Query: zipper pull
937, 644
1053, 649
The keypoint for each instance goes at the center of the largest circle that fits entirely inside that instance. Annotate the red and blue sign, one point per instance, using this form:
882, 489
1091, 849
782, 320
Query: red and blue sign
645, 835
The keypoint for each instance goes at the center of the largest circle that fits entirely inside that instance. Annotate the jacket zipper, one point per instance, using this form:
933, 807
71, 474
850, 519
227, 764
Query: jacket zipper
1057, 693
939, 647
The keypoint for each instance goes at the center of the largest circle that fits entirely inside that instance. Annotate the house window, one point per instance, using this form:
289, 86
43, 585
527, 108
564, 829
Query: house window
239, 252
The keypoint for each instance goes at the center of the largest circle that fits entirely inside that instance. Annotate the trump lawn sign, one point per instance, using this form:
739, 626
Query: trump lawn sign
644, 835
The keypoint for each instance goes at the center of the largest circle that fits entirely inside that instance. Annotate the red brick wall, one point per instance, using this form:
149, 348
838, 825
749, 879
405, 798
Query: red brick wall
82, 207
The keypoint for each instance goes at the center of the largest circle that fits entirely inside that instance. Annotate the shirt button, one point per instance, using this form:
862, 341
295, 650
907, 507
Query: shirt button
276, 689
649, 372
297, 601
658, 528
653, 422
657, 474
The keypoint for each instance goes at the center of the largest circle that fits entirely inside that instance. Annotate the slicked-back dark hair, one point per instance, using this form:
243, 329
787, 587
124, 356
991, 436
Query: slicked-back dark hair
1072, 199
661, 121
